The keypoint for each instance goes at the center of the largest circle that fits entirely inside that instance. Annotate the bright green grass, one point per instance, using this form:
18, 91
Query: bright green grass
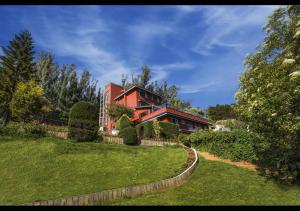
51, 168
215, 183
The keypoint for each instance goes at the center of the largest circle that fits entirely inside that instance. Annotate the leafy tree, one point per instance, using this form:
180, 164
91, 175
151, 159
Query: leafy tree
269, 95
197, 111
28, 101
115, 111
17, 65
48, 75
221, 112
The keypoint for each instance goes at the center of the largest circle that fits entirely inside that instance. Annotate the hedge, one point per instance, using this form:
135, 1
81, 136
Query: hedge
83, 122
129, 136
235, 145
168, 130
23, 130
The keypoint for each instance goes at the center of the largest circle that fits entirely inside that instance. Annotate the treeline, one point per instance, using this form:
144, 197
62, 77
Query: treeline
62, 86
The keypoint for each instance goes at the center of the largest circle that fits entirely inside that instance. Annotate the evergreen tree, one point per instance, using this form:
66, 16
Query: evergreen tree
17, 65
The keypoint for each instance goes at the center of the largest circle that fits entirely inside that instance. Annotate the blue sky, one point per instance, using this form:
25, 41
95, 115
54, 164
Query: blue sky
198, 48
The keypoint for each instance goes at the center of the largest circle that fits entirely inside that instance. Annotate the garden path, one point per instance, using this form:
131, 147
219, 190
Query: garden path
242, 164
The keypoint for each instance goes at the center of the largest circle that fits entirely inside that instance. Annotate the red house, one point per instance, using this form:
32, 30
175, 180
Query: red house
148, 106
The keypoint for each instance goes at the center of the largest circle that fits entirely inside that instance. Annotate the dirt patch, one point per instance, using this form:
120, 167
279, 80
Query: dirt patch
242, 164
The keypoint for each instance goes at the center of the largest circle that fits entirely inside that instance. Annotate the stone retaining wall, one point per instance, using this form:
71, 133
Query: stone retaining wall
124, 191
63, 135
144, 142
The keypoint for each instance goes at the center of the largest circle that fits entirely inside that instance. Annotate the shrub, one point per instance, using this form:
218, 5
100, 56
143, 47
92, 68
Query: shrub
235, 145
129, 136
23, 130
28, 101
145, 130
183, 138
168, 130
83, 121
123, 122
157, 129
115, 111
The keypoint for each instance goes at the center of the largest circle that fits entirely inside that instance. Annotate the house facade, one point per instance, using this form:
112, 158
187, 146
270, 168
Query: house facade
148, 106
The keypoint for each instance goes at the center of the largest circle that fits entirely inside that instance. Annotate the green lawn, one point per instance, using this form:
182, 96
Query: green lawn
215, 183
50, 168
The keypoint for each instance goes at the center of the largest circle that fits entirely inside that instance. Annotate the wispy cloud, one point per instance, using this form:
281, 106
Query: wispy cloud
79, 39
223, 25
195, 88
162, 71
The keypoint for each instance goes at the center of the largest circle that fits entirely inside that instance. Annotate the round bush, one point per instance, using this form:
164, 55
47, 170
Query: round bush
83, 122
129, 136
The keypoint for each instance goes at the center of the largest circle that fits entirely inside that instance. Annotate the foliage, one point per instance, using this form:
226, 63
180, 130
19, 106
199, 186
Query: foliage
269, 96
28, 101
168, 130
196, 111
232, 123
221, 112
156, 129
145, 130
83, 121
183, 138
129, 136
123, 122
17, 66
235, 145
23, 130
115, 111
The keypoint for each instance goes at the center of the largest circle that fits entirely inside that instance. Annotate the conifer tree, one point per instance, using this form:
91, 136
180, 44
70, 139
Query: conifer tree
17, 65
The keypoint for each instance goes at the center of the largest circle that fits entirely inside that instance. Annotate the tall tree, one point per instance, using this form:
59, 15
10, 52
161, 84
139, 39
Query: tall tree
48, 75
269, 95
17, 65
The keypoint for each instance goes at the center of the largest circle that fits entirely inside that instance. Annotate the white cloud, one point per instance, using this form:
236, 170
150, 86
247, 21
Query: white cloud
195, 88
79, 39
224, 23
1, 52
161, 71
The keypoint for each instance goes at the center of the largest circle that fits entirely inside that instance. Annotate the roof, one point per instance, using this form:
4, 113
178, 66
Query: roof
171, 111
136, 87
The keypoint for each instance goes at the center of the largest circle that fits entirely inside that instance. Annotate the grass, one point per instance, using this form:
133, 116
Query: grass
51, 168
215, 183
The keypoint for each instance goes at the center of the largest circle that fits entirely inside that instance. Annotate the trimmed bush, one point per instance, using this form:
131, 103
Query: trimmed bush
83, 122
145, 130
165, 130
235, 145
129, 136
168, 130
123, 122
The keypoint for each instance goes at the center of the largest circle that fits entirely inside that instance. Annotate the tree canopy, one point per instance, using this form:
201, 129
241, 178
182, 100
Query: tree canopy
268, 99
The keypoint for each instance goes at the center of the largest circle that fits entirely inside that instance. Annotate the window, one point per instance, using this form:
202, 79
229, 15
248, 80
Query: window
142, 93
142, 103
